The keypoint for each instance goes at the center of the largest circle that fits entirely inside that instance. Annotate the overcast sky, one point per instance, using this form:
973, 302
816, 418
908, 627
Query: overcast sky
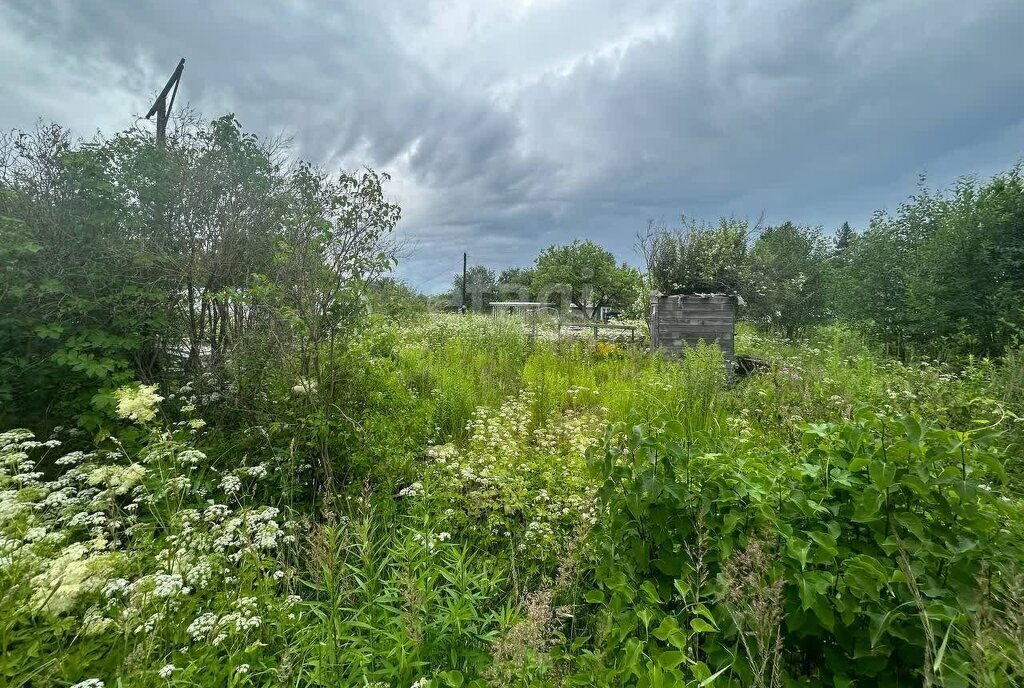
514, 124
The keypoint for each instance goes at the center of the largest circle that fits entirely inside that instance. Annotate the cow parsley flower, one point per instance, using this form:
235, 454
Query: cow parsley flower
89, 683
169, 585
230, 484
192, 457
202, 625
166, 671
413, 490
137, 403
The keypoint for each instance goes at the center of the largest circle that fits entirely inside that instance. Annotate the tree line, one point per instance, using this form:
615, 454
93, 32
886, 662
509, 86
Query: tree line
942, 275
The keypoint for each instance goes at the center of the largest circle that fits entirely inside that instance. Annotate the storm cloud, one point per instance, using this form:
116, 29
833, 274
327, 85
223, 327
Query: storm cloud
508, 126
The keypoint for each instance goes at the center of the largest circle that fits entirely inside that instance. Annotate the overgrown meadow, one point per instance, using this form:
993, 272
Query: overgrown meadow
234, 452
528, 511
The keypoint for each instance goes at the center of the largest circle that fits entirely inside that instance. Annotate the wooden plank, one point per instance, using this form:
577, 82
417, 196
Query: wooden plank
699, 320
697, 332
713, 323
679, 326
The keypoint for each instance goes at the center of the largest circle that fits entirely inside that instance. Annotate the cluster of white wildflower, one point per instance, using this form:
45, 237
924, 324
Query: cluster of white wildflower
73, 537
414, 490
89, 683
73, 573
191, 457
230, 484
203, 391
137, 403
430, 540
510, 471
216, 628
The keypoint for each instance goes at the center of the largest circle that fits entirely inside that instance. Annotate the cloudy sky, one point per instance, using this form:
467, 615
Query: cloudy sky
514, 124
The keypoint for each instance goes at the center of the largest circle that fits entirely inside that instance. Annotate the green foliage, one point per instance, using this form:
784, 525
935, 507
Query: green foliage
870, 547
697, 258
788, 284
516, 284
395, 606
771, 529
129, 260
585, 275
945, 273
480, 288
395, 298
520, 485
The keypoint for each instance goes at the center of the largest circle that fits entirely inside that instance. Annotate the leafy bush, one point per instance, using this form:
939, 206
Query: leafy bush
944, 274
863, 557
698, 258
788, 285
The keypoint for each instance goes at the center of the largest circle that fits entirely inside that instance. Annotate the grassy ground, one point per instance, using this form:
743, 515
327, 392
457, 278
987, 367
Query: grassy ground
513, 509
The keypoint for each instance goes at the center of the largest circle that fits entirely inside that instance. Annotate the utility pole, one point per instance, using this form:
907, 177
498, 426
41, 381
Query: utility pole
463, 281
162, 108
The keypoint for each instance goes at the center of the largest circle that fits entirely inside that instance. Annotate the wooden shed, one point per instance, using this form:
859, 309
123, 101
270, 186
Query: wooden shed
685, 319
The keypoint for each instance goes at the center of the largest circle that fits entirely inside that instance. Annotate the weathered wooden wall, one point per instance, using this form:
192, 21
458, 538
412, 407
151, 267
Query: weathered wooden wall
684, 320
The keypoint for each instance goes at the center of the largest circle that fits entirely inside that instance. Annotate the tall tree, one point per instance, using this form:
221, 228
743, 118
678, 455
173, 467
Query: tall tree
788, 289
516, 284
480, 286
586, 275
844, 238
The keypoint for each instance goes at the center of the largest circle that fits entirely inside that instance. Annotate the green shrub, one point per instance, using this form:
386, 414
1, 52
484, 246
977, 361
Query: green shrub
864, 557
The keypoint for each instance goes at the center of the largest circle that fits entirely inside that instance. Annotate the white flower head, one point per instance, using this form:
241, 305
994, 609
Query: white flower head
230, 484
137, 403
192, 456
89, 683
413, 490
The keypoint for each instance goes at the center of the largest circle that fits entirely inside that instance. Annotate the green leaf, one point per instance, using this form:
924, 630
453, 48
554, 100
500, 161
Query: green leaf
826, 542
670, 659
452, 678
701, 626
882, 474
799, 549
49, 331
666, 628
913, 523
651, 592
937, 667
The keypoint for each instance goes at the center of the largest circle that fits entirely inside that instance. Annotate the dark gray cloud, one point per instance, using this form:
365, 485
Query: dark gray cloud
511, 125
